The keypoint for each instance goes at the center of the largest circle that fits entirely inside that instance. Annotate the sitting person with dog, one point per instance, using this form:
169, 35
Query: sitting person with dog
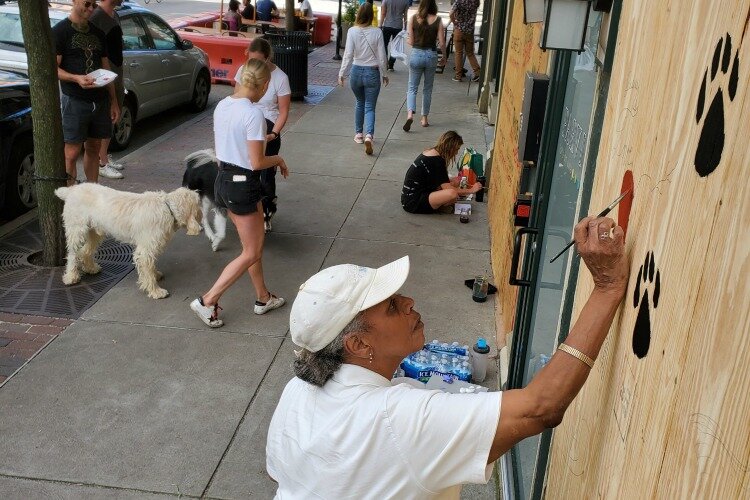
275, 104
239, 137
427, 187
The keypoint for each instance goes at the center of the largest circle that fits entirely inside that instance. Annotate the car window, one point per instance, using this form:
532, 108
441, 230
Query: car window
134, 36
13, 100
163, 36
10, 28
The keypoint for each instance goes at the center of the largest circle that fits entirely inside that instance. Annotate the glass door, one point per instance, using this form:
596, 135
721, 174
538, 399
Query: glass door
557, 193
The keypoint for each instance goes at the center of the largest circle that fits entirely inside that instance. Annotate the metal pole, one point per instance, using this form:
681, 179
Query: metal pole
337, 57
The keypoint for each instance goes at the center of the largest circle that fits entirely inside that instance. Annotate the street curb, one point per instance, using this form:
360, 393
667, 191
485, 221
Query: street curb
202, 116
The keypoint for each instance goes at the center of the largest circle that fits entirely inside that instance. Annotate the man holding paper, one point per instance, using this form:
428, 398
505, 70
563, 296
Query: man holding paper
88, 109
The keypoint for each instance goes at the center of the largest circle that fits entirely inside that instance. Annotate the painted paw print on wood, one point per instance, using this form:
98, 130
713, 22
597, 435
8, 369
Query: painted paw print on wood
648, 276
711, 142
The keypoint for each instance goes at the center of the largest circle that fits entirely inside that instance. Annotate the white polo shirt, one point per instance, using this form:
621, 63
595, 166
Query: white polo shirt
359, 437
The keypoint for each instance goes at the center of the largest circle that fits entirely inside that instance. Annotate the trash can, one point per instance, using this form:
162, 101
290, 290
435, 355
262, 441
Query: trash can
290, 54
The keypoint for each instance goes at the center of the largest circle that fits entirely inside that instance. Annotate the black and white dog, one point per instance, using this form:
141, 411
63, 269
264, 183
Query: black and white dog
201, 171
200, 175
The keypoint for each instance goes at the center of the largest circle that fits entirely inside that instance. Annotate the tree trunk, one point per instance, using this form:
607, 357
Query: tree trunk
289, 19
49, 158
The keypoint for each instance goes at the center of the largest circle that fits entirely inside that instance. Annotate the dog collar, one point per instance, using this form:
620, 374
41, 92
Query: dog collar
170, 211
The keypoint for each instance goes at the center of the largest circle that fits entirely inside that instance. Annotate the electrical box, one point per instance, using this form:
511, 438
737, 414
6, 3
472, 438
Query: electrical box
532, 116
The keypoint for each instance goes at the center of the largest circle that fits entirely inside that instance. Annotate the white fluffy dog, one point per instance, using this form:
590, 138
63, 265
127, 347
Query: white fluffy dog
145, 220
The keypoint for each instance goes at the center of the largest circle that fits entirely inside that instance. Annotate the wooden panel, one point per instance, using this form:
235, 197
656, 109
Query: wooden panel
674, 423
522, 54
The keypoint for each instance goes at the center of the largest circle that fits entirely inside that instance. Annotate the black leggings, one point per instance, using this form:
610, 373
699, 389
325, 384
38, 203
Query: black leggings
268, 175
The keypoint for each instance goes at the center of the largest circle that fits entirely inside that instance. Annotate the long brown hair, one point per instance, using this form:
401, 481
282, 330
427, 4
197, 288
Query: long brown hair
448, 145
364, 15
426, 8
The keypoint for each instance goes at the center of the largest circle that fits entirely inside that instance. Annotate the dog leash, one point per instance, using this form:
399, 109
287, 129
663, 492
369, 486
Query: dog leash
67, 177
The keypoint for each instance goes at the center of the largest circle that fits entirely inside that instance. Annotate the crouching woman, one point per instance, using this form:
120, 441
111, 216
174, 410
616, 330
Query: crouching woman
427, 187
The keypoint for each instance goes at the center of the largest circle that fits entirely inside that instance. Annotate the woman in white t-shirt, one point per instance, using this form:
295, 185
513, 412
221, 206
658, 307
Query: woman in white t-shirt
365, 54
239, 137
275, 104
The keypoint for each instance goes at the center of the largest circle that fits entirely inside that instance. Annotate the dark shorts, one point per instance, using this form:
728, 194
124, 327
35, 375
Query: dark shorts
83, 120
237, 189
418, 204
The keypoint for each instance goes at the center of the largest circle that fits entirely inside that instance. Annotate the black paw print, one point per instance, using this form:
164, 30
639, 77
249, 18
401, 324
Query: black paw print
647, 274
711, 142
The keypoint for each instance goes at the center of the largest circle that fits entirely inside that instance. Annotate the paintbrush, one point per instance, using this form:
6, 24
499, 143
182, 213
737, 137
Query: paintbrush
600, 214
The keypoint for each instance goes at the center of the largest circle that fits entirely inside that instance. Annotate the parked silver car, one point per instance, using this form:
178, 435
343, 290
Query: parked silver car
161, 70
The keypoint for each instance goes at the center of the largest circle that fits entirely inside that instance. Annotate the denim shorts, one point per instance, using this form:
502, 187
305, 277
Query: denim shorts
83, 120
237, 189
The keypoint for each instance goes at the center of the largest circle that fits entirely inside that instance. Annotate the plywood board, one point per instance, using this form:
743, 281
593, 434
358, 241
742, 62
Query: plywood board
522, 55
673, 420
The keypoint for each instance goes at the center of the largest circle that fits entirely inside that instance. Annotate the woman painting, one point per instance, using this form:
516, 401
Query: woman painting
239, 136
427, 187
275, 104
425, 28
365, 55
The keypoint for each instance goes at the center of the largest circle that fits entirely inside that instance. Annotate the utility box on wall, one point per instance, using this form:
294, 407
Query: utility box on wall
532, 116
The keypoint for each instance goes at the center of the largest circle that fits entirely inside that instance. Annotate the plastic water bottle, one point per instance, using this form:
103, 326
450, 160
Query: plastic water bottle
479, 360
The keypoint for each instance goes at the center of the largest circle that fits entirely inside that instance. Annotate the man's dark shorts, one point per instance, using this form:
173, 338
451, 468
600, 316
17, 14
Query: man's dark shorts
237, 189
83, 120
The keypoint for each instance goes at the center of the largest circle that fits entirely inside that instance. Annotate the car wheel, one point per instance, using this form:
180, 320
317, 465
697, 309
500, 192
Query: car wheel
20, 195
200, 92
123, 130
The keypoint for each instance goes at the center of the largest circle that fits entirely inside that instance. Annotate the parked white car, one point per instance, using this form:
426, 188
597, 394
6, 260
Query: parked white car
161, 70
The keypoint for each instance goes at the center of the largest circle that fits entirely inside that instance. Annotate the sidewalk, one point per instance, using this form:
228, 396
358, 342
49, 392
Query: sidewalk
137, 399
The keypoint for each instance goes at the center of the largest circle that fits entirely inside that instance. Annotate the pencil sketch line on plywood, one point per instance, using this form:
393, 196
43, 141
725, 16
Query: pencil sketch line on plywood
711, 142
631, 104
708, 428
655, 186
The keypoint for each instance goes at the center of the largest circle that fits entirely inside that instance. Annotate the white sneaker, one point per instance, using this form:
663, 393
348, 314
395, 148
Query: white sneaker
208, 314
109, 172
273, 303
114, 164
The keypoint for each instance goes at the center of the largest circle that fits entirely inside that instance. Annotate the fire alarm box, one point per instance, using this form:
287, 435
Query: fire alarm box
532, 116
522, 210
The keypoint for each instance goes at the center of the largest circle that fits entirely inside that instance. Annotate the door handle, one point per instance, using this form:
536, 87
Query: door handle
514, 280
135, 65
165, 61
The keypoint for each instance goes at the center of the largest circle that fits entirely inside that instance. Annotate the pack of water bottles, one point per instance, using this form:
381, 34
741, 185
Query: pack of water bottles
438, 358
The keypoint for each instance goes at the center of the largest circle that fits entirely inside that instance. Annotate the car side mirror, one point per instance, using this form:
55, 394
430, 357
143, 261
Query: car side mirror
187, 45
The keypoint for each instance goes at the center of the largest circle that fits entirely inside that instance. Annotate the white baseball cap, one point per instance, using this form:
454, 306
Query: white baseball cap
330, 300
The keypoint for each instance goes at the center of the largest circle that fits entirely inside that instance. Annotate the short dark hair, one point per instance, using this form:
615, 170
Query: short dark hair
234, 5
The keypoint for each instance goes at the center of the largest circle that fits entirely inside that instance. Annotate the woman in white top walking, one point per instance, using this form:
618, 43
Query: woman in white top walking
365, 54
275, 104
239, 136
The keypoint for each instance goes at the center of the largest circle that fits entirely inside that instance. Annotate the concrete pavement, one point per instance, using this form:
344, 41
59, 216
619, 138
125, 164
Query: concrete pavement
137, 399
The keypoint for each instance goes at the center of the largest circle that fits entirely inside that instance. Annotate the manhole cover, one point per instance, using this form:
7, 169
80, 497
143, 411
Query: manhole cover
29, 289
316, 93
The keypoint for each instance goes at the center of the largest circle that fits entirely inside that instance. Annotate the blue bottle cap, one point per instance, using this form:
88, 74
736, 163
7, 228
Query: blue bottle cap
481, 346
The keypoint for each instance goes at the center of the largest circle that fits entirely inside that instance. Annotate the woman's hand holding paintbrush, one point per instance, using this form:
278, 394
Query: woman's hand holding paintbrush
603, 213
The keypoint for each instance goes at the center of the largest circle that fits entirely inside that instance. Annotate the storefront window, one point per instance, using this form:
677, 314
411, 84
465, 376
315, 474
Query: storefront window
564, 195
